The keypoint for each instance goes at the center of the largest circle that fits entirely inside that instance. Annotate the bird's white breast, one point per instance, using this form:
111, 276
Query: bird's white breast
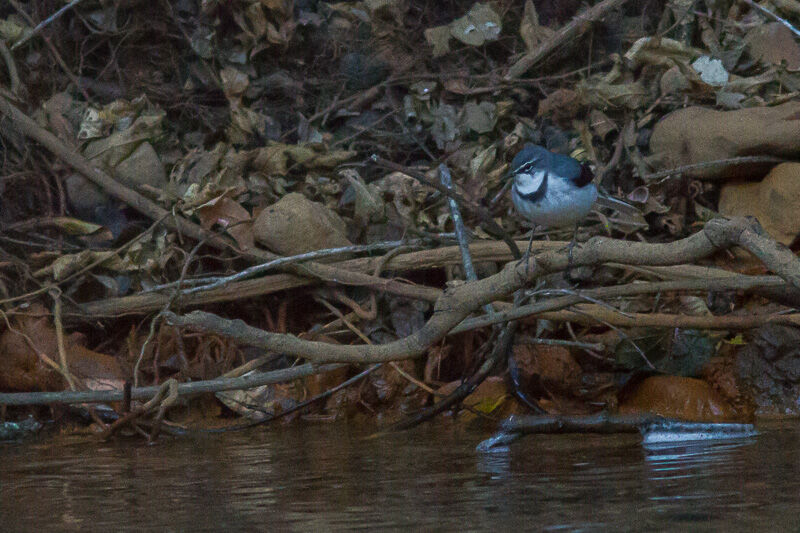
562, 204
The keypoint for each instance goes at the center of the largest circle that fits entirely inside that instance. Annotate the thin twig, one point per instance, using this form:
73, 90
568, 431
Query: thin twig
13, 74
250, 381
527, 339
458, 224
87, 268
53, 51
631, 289
35, 31
459, 302
302, 405
157, 319
491, 226
773, 15
569, 33
663, 174
360, 334
219, 281
55, 293
19, 121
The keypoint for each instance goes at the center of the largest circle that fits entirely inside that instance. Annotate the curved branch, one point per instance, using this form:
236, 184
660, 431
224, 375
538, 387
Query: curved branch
457, 303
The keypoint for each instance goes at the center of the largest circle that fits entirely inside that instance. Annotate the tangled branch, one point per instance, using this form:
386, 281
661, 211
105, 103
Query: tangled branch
455, 304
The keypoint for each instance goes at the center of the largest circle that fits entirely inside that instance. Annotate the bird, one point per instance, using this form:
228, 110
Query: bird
554, 190
551, 189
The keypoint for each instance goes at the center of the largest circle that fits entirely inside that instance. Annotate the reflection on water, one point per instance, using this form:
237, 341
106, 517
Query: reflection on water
322, 478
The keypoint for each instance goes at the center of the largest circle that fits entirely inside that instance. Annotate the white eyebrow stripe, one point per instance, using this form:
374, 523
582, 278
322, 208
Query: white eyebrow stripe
526, 167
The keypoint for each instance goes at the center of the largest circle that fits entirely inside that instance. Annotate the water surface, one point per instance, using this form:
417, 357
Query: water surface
327, 477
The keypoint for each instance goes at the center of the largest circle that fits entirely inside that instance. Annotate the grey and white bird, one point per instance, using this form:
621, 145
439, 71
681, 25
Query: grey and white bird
551, 189
554, 190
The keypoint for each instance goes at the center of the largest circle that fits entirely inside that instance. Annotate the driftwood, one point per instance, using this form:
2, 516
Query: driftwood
457, 303
668, 430
145, 393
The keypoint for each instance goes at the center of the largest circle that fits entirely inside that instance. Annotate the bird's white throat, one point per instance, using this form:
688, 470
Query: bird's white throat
561, 203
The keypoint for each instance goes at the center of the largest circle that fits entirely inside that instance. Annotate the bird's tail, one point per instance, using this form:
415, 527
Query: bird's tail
609, 202
629, 215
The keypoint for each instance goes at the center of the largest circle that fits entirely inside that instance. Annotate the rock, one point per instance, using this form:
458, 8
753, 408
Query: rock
84, 196
678, 397
142, 167
774, 201
295, 225
697, 134
768, 367
548, 367
773, 43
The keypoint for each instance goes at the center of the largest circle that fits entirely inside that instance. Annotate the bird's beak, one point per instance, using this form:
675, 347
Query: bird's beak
508, 175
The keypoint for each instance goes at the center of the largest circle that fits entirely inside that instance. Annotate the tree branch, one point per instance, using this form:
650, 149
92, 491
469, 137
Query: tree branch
457, 303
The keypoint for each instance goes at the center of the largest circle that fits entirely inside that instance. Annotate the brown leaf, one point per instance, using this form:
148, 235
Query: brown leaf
230, 215
532, 33
562, 105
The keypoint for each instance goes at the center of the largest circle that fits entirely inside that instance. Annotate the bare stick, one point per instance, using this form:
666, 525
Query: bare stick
13, 74
213, 283
184, 389
45, 22
53, 50
55, 294
569, 33
589, 315
719, 284
527, 339
490, 225
773, 15
456, 304
663, 174
458, 225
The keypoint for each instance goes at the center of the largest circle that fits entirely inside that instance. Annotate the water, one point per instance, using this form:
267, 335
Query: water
327, 477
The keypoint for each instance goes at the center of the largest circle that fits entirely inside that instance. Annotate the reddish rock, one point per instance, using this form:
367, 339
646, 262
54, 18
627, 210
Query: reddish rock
678, 397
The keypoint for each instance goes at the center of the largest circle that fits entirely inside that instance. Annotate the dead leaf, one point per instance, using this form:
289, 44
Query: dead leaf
532, 33
561, 106
774, 43
439, 38
229, 214
600, 124
480, 118
480, 24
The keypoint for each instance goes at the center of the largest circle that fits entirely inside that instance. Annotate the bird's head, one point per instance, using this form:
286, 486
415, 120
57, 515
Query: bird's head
530, 159
529, 167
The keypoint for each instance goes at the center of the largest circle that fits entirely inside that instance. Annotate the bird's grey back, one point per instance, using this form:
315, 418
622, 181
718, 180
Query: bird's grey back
542, 158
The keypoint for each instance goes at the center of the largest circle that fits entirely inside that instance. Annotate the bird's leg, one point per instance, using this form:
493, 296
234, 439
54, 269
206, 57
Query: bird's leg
527, 255
570, 246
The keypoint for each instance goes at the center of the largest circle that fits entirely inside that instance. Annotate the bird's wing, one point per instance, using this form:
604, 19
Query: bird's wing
584, 177
570, 169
